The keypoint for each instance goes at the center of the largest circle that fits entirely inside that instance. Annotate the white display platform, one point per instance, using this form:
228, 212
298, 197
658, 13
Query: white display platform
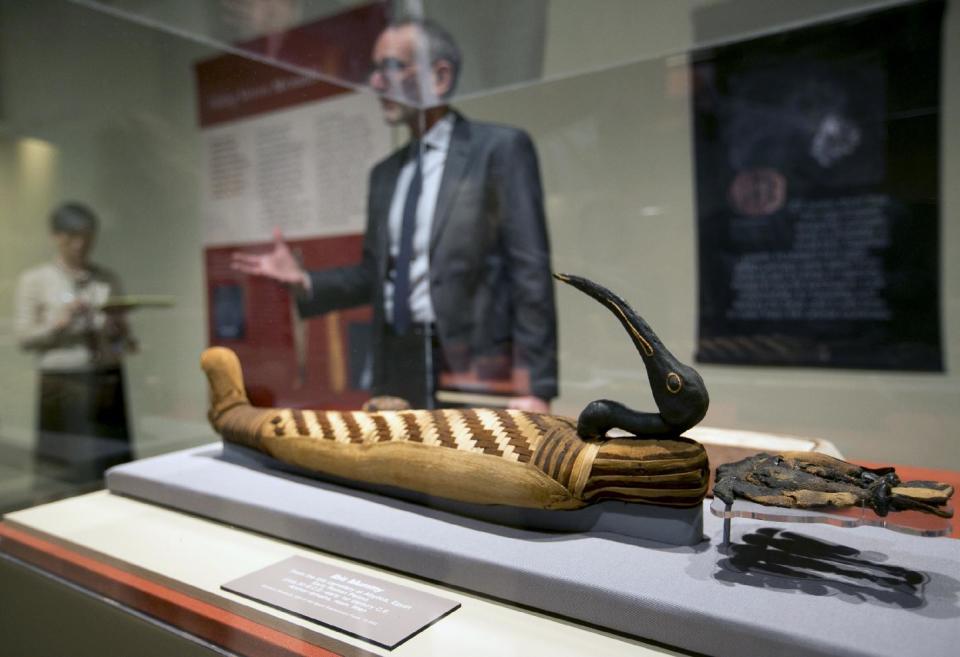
196, 556
780, 589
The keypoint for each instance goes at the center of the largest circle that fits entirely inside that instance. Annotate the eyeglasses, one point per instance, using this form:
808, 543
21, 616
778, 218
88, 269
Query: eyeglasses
389, 66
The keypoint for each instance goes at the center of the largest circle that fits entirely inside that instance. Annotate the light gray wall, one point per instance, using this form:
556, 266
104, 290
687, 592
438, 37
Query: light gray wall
115, 102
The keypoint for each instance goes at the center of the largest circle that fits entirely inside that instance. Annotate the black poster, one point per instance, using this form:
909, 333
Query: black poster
817, 169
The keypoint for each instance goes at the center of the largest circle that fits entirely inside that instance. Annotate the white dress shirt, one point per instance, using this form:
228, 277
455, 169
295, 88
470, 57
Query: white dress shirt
435, 144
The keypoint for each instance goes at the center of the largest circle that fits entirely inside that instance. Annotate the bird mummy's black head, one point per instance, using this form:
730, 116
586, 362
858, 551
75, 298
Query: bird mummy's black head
677, 388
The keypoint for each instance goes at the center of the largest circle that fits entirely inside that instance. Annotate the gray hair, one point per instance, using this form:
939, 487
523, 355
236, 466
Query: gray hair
73, 218
440, 45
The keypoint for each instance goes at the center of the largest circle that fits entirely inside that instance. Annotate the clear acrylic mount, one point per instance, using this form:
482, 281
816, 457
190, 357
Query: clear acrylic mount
907, 522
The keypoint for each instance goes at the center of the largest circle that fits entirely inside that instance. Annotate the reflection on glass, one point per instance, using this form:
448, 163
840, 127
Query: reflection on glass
456, 256
62, 315
605, 94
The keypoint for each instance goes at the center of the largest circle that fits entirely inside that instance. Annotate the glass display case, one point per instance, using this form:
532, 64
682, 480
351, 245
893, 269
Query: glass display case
369, 200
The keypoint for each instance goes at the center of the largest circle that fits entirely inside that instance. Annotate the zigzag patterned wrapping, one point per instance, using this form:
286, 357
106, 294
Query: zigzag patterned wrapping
483, 456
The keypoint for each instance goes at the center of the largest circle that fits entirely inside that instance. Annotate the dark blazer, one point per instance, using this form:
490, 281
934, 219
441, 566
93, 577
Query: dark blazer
490, 280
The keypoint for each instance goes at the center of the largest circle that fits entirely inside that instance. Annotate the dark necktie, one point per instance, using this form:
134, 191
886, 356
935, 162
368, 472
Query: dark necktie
401, 284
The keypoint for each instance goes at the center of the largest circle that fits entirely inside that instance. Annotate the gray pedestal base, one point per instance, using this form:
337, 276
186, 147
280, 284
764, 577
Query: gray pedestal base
779, 589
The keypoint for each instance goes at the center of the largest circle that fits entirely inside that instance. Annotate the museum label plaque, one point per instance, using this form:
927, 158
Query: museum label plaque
373, 609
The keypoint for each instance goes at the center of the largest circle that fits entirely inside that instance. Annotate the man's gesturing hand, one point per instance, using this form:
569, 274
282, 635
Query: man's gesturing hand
279, 264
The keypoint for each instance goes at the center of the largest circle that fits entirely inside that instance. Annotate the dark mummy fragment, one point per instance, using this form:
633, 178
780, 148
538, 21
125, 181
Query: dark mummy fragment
811, 480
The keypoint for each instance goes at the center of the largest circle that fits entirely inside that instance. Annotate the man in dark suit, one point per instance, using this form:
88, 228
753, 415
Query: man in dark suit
456, 258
